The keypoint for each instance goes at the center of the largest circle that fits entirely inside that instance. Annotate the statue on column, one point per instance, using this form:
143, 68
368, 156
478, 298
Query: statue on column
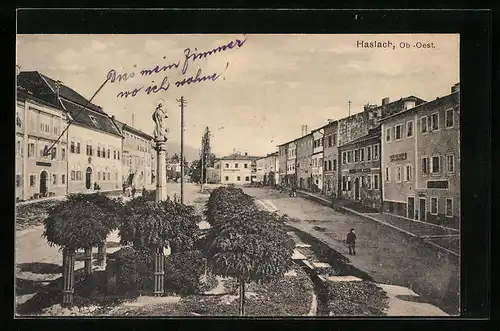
160, 132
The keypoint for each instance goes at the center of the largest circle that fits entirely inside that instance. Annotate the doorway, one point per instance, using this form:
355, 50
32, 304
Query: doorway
410, 207
88, 178
422, 211
356, 188
43, 183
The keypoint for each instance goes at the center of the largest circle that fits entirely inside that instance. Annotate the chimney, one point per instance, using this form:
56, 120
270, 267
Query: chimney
385, 101
455, 88
57, 87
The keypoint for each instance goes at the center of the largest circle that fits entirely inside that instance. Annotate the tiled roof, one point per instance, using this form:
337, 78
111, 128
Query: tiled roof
83, 117
237, 156
373, 133
32, 83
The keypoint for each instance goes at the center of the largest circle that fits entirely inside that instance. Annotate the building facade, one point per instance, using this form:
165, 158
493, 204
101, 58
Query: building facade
330, 156
360, 170
421, 161
291, 176
93, 140
137, 157
41, 171
266, 169
235, 168
317, 158
304, 151
282, 164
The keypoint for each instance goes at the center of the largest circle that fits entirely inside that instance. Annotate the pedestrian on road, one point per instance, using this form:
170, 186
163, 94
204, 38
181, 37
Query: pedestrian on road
124, 188
351, 242
133, 191
143, 191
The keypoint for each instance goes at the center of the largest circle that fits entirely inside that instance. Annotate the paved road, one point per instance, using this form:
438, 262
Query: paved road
388, 256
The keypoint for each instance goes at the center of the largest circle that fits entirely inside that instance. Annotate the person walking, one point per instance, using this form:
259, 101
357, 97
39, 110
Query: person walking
124, 188
133, 191
143, 191
351, 242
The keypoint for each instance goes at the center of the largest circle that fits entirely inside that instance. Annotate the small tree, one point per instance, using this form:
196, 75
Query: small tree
74, 224
247, 244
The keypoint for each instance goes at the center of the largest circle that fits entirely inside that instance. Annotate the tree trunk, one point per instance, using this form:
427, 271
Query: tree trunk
159, 260
68, 276
88, 261
101, 254
242, 297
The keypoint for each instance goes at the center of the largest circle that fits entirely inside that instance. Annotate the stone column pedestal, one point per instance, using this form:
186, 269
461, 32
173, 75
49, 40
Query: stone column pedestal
161, 170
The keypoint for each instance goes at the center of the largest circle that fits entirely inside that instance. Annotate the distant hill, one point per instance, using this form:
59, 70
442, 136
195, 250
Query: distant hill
191, 153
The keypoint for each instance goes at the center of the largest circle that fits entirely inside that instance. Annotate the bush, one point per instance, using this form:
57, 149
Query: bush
183, 271
134, 268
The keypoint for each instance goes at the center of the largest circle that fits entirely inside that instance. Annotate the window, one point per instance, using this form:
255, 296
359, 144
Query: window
31, 150
434, 121
344, 160
330, 165
388, 134
93, 119
18, 180
227, 165
73, 175
450, 163
98, 151
356, 155
362, 154
116, 176
227, 178
114, 155
369, 182
56, 130
425, 165
375, 182
78, 175
434, 206
343, 183
53, 153
109, 176
398, 133
435, 164
423, 124
368, 153
349, 156
247, 179
387, 174
449, 207
63, 154
375, 152
245, 165
63, 179
54, 179
334, 139
236, 165
334, 165
349, 184
329, 141
32, 180
399, 174
88, 150
449, 118
77, 148
409, 129
118, 155
408, 176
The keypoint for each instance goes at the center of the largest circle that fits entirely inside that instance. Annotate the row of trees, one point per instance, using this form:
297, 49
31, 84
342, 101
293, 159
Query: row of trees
243, 242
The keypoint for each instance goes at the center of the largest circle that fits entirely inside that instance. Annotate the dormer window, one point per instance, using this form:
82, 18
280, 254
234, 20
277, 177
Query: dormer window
93, 119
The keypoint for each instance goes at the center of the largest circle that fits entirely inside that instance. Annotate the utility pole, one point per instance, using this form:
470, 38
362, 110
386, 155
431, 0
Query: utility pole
182, 103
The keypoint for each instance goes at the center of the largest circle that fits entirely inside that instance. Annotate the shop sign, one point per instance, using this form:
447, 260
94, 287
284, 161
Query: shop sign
353, 171
44, 164
398, 157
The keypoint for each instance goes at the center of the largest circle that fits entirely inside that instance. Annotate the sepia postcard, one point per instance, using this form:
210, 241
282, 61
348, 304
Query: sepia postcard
237, 175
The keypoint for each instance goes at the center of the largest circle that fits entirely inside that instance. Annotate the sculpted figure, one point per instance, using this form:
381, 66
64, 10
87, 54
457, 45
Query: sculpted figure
160, 133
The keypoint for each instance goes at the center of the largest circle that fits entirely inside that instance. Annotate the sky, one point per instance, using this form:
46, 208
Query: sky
267, 87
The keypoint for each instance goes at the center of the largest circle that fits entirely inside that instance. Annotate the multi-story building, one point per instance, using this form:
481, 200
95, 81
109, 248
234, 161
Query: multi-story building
90, 127
360, 170
41, 171
281, 161
137, 157
421, 161
330, 156
235, 168
317, 158
303, 160
266, 169
291, 176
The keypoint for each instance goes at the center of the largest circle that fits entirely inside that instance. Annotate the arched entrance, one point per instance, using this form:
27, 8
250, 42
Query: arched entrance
88, 178
43, 183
